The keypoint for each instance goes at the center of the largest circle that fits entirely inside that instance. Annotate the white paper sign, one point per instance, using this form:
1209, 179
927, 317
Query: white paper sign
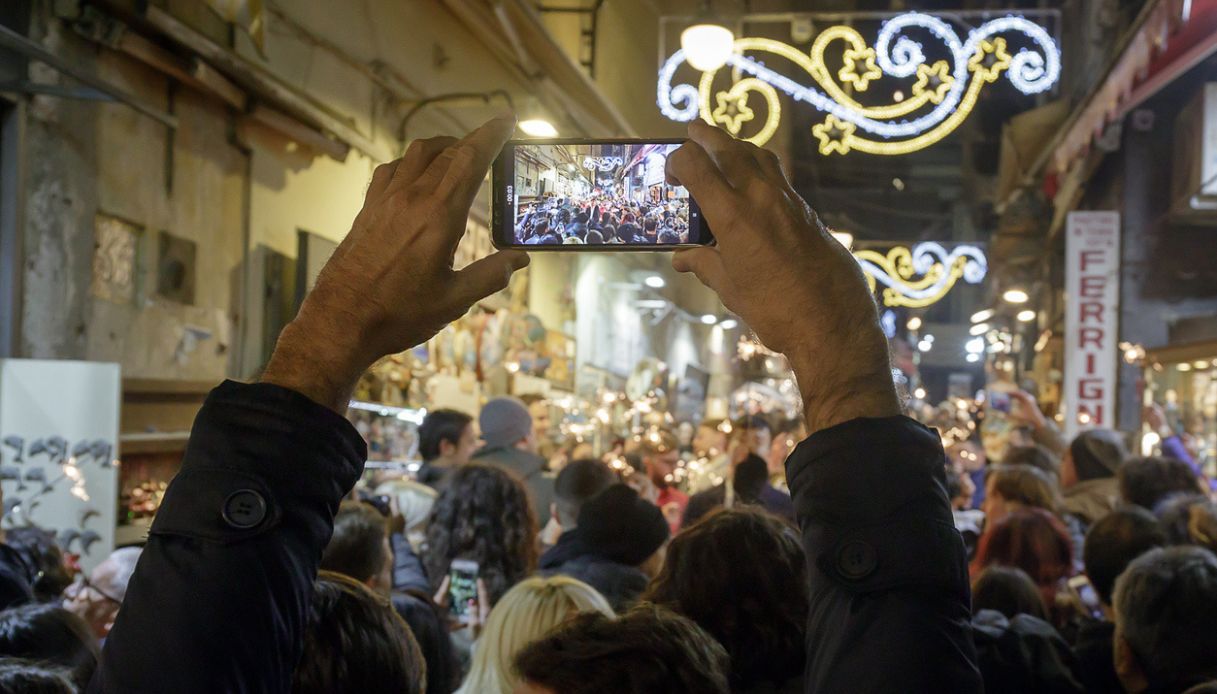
1092, 295
59, 450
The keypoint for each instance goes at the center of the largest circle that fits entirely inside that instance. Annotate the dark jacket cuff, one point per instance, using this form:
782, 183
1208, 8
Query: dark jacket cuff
235, 458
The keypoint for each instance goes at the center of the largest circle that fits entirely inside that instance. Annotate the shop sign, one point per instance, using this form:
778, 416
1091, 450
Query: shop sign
1092, 291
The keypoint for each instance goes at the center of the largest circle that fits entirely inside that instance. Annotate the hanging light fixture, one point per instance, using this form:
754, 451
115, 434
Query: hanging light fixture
707, 44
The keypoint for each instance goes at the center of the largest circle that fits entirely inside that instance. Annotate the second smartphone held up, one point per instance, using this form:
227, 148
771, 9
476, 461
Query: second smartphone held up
592, 195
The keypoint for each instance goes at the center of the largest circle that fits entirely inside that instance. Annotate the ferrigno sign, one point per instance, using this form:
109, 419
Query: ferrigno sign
1092, 294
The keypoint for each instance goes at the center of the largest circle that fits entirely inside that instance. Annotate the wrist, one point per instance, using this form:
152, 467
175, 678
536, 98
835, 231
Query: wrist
834, 393
309, 362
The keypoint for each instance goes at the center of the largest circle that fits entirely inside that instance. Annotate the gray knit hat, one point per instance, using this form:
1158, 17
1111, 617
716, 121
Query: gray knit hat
1097, 453
504, 421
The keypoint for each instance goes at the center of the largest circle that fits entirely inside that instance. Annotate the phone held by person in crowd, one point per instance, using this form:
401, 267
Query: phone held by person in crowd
1085, 597
462, 589
592, 195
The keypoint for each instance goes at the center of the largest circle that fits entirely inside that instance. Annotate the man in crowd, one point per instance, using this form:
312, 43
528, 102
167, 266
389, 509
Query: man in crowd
617, 547
221, 599
713, 460
1111, 545
660, 455
575, 485
1088, 474
1149, 481
360, 548
511, 444
97, 598
1165, 609
445, 441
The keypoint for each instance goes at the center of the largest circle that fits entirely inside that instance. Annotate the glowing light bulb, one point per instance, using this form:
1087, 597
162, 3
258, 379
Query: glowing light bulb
654, 282
729, 324
1015, 296
979, 329
707, 46
709, 319
982, 316
915, 323
538, 127
1026, 316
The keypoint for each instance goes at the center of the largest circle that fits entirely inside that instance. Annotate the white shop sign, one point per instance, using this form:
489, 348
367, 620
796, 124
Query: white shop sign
1092, 295
59, 450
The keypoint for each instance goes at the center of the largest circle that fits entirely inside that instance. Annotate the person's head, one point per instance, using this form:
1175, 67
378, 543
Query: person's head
505, 422
1114, 541
1033, 540
96, 599
618, 525
960, 488
648, 649
594, 237
609, 232
51, 634
756, 434
628, 230
1189, 519
733, 553
669, 235
42, 555
1034, 456
447, 436
414, 502
483, 514
649, 225
359, 546
710, 439
355, 641
1012, 487
541, 228
538, 409
1150, 480
660, 454
579, 481
1008, 590
529, 611
1165, 608
23, 676
1093, 454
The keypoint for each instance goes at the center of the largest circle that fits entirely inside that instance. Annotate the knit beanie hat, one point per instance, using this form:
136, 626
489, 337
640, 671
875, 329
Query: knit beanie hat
504, 421
1097, 453
621, 526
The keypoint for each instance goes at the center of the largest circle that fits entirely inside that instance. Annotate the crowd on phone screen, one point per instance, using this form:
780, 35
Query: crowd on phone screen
603, 218
646, 549
1092, 570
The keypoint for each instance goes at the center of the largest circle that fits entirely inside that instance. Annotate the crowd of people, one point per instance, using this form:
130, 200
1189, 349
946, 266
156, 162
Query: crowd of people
656, 566
603, 217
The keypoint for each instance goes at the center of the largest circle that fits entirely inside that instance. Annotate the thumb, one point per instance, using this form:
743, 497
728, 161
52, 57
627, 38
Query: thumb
488, 275
706, 264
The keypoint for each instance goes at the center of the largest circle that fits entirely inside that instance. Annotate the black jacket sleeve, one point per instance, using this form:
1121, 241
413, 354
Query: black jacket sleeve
890, 601
220, 596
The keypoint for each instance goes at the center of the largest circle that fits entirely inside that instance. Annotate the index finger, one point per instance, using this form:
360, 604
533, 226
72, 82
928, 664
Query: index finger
691, 167
470, 158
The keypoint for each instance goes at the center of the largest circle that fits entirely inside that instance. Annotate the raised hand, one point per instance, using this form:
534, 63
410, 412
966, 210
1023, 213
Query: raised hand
390, 285
779, 269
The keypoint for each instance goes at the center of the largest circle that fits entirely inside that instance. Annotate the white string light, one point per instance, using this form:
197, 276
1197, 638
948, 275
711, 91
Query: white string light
603, 163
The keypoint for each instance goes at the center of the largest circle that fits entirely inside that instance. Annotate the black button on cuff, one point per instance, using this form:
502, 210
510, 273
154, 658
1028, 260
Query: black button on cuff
244, 509
856, 560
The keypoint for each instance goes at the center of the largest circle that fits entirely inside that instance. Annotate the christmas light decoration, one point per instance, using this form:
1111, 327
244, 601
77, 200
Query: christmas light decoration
603, 163
943, 90
921, 275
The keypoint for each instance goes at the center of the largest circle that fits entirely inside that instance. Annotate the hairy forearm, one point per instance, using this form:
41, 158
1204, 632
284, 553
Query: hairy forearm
844, 384
320, 369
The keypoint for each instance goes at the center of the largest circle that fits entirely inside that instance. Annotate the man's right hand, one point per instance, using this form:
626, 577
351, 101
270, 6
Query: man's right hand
779, 269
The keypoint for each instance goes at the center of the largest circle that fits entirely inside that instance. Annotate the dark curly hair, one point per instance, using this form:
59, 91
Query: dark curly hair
483, 514
741, 574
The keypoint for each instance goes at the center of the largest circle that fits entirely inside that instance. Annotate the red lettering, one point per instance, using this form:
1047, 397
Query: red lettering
1092, 336
1092, 286
1090, 362
1091, 309
1095, 412
1085, 256
1090, 389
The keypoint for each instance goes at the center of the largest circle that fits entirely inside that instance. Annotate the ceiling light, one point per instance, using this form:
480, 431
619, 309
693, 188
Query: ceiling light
972, 357
709, 319
538, 127
1026, 316
915, 323
707, 46
979, 329
898, 184
654, 282
975, 346
984, 315
925, 346
919, 393
729, 324
1015, 296
928, 338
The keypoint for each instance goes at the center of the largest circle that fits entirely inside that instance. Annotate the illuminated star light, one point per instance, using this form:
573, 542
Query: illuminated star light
733, 110
834, 135
870, 71
935, 80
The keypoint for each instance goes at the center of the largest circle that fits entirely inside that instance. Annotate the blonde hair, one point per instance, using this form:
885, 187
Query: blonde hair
528, 612
414, 502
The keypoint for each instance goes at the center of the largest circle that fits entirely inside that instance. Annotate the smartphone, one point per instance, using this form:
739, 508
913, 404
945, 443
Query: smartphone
1084, 593
592, 195
462, 589
999, 401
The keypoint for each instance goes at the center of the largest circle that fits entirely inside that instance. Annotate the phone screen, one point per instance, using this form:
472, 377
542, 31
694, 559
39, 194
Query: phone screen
999, 400
462, 588
580, 195
1086, 596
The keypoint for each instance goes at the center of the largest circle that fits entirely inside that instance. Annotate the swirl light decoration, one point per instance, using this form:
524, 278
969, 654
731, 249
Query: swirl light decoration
943, 92
921, 275
603, 163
